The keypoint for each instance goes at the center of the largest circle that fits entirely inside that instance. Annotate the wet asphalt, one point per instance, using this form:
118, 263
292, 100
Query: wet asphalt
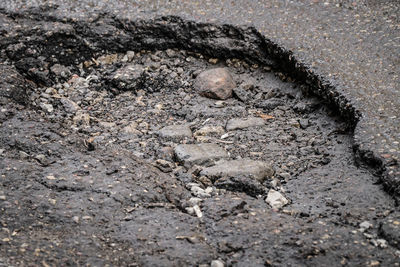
352, 45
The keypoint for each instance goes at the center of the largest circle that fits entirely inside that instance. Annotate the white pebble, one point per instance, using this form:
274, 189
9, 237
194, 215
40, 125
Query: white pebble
198, 211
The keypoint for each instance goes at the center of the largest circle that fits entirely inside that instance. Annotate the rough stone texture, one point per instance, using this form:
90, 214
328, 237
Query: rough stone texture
69, 105
175, 132
256, 169
128, 78
217, 263
276, 200
199, 153
235, 124
209, 130
215, 83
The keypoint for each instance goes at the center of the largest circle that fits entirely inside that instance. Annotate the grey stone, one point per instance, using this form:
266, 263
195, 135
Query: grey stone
175, 132
190, 210
365, 225
164, 165
60, 70
170, 53
131, 129
234, 124
69, 105
382, 243
195, 200
217, 263
106, 124
241, 94
270, 104
215, 83
276, 200
208, 130
197, 210
199, 154
190, 185
304, 123
47, 107
81, 118
258, 170
166, 153
128, 77
199, 192
23, 155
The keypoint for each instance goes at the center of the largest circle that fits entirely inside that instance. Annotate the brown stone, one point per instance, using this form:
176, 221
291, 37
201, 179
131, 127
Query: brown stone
215, 83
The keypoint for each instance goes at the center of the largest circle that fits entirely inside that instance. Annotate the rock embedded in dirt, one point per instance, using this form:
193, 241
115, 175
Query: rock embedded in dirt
208, 130
166, 153
270, 104
258, 170
199, 154
47, 107
304, 123
131, 128
242, 94
106, 124
164, 165
128, 77
237, 123
69, 105
60, 71
197, 210
199, 192
217, 263
276, 200
365, 226
175, 132
215, 83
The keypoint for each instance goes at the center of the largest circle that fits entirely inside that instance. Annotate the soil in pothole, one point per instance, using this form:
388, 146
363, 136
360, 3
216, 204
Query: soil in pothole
122, 162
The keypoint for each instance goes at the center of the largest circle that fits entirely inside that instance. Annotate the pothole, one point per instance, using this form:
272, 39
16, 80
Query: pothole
146, 103
132, 150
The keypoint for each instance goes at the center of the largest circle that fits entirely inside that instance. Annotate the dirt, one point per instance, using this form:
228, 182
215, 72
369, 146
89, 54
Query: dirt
87, 178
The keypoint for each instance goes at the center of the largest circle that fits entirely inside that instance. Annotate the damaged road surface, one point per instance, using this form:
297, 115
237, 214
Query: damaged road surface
125, 143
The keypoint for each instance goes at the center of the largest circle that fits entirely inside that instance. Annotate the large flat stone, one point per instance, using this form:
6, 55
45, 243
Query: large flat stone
209, 130
199, 154
175, 132
235, 124
258, 170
